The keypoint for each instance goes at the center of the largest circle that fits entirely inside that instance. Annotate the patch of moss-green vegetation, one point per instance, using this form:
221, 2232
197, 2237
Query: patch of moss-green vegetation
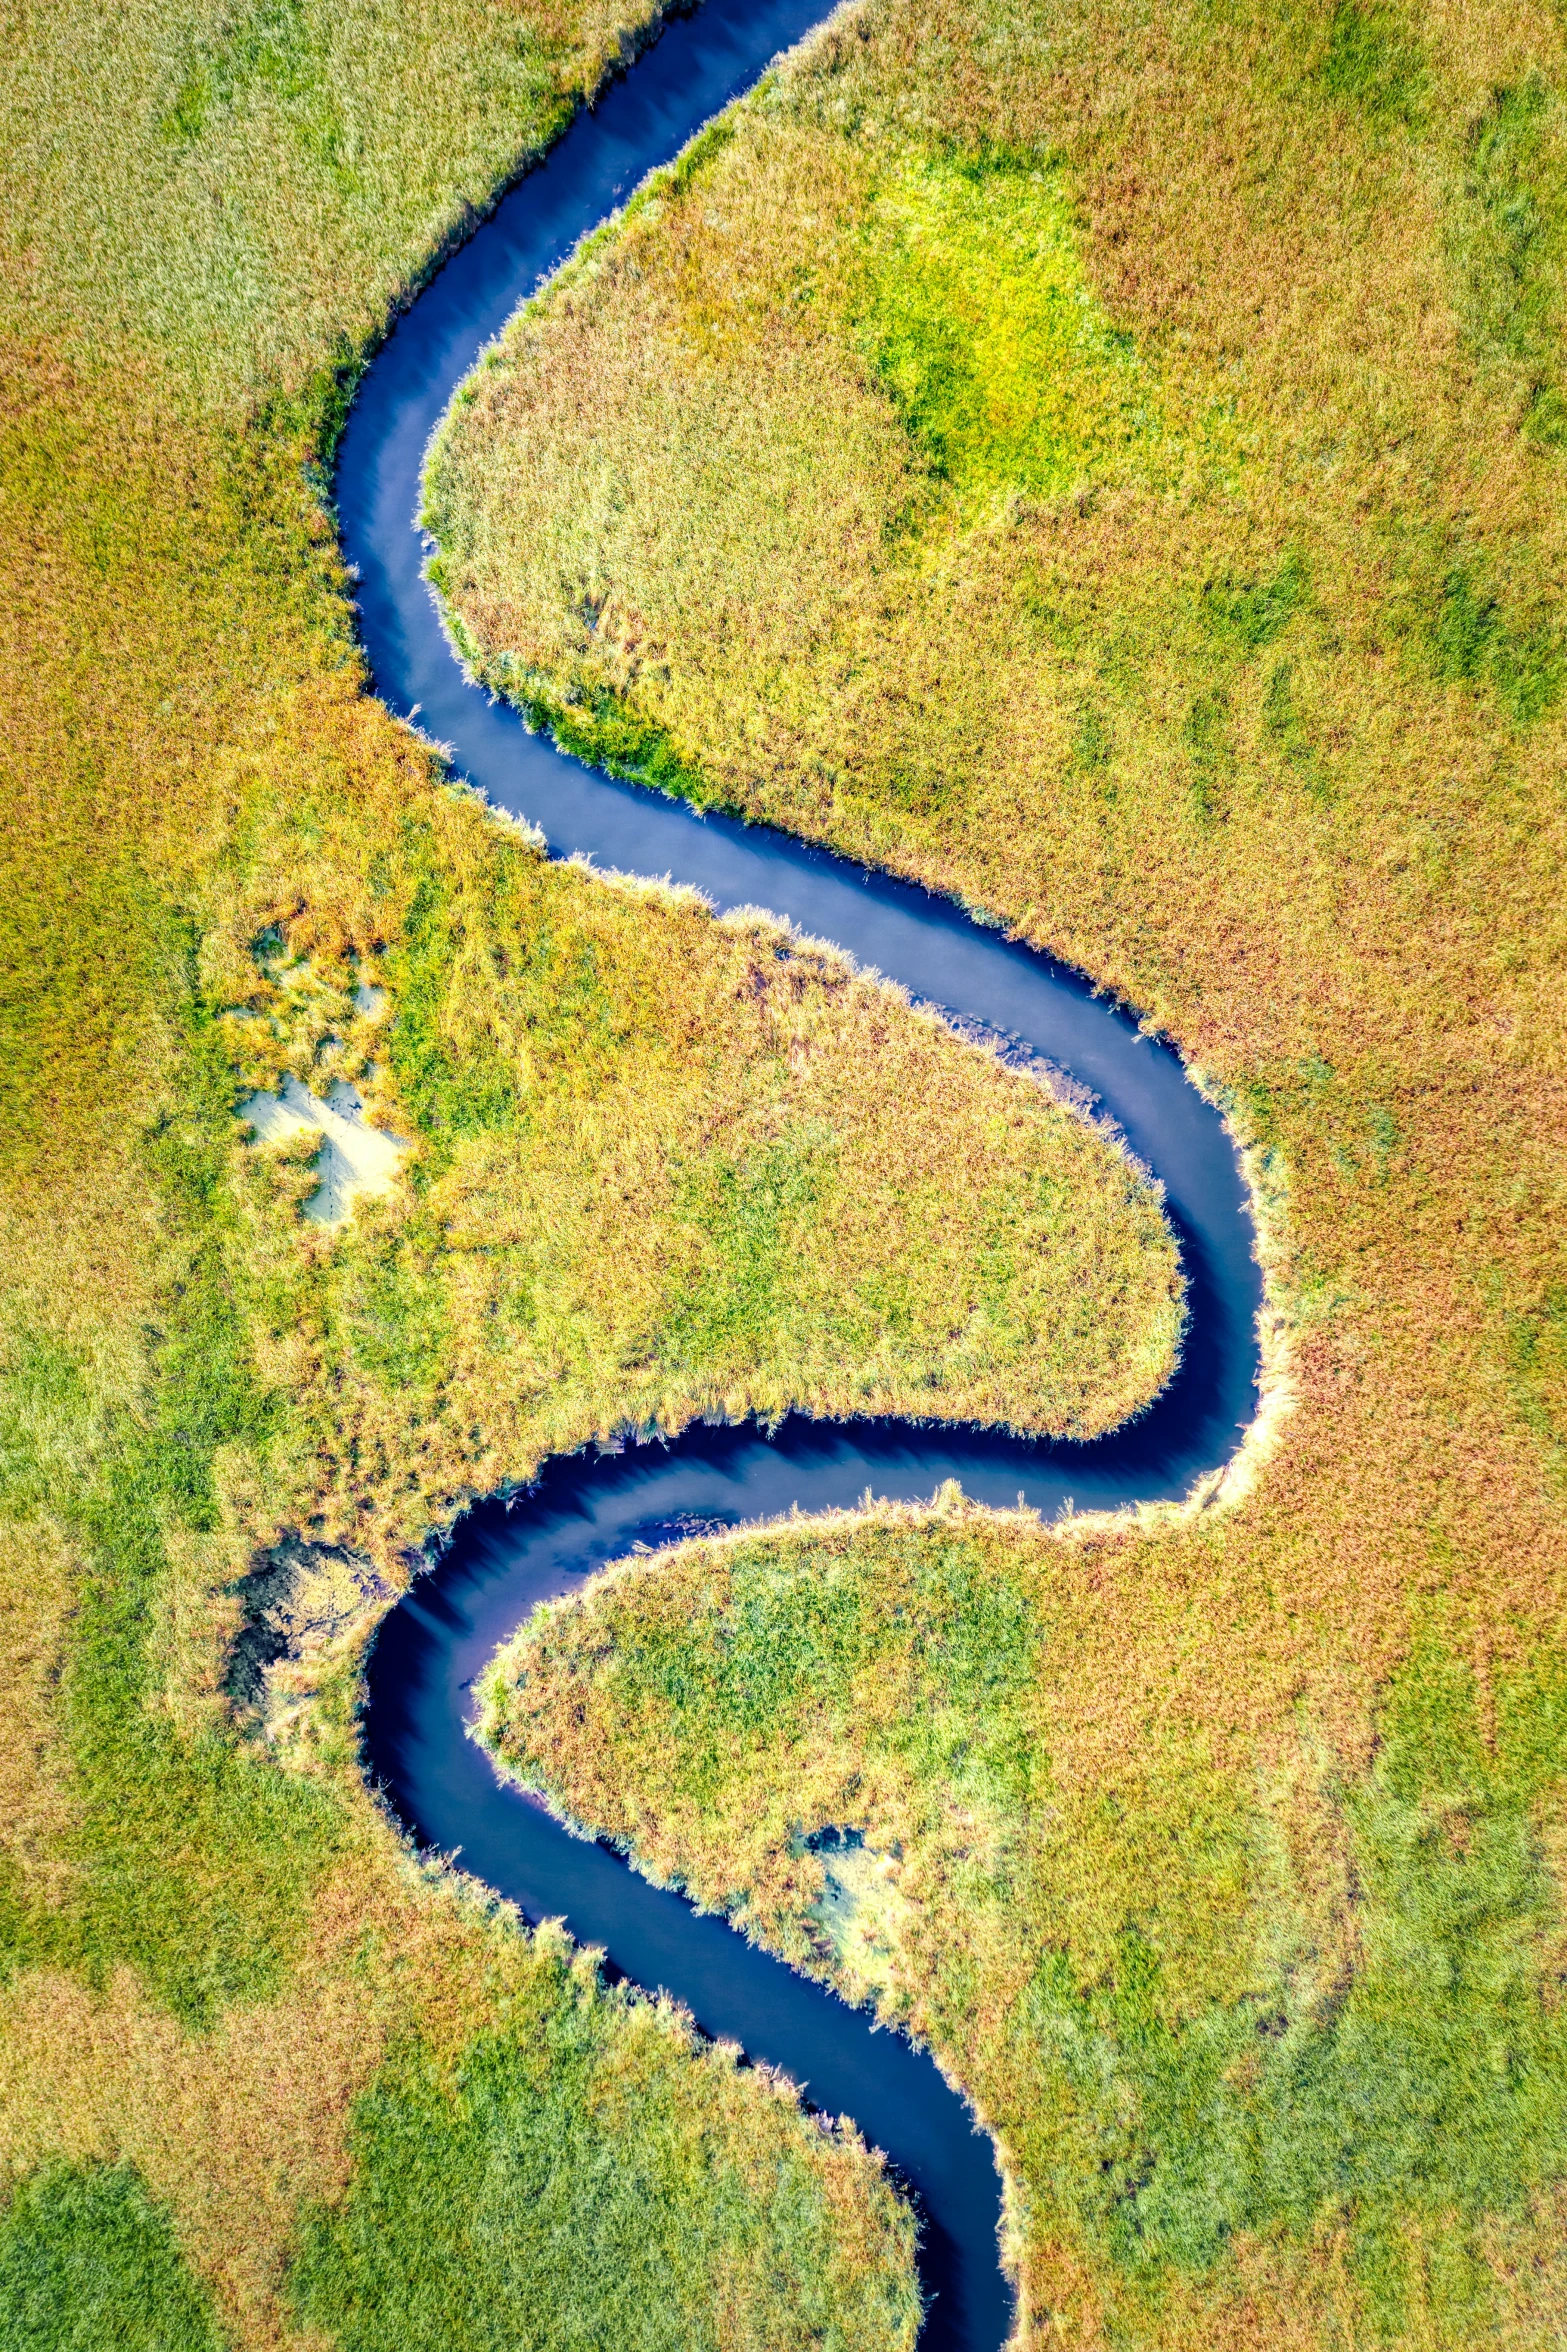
752, 1213
450, 1093
1510, 244
561, 2187
600, 726
980, 321
1243, 616
793, 1642
88, 2261
394, 1310
1431, 2087
273, 46
1537, 1368
1372, 62
1475, 643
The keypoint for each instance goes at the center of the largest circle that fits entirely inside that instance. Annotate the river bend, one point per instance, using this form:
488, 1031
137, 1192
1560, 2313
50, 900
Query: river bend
588, 1509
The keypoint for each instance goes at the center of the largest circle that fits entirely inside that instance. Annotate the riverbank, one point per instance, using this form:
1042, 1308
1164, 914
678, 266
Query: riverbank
219, 1971
1237, 683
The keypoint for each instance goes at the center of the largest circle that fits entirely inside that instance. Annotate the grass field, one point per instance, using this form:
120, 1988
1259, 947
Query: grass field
649, 1166
1167, 559
1274, 2048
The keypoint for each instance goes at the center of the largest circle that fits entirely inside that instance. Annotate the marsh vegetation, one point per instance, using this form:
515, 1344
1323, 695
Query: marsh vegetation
1167, 557
646, 1166
1108, 464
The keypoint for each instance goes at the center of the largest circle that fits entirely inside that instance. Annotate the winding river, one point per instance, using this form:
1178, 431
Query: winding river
589, 1509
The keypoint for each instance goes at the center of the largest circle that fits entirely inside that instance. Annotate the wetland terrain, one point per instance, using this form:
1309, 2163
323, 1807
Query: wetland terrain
1096, 468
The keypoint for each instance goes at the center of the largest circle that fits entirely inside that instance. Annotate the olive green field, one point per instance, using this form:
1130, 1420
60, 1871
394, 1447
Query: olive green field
1105, 462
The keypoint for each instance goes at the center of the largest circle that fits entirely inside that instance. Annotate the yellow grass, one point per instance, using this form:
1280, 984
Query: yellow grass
658, 1166
1255, 710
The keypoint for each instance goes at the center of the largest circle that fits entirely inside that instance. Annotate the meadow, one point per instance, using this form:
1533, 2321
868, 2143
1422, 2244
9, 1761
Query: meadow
1167, 559
654, 1167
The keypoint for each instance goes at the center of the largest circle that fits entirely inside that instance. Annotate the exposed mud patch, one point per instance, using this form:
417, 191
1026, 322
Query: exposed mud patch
355, 1158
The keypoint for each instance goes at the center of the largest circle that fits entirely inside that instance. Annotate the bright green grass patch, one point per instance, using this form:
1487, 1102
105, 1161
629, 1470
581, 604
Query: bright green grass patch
88, 2262
1475, 643
566, 2189
981, 323
1372, 63
1417, 2090
596, 724
274, 46
195, 1857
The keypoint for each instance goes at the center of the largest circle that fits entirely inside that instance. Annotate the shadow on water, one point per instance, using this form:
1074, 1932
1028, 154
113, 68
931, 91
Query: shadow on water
590, 1509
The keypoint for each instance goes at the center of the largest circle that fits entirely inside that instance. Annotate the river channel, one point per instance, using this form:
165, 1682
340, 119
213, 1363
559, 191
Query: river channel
588, 1509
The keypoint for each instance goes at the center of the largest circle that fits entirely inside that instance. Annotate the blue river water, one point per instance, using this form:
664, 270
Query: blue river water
588, 1509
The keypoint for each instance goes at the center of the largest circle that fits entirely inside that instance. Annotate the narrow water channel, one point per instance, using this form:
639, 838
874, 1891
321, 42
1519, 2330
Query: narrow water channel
589, 1509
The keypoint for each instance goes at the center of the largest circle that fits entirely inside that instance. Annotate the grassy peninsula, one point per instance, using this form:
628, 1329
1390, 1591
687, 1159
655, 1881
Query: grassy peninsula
1108, 463
263, 2083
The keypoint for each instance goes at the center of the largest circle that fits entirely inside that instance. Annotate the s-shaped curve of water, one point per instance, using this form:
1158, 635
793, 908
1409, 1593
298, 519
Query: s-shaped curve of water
586, 1510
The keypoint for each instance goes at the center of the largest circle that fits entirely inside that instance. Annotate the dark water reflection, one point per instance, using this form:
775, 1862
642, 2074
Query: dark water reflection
591, 1509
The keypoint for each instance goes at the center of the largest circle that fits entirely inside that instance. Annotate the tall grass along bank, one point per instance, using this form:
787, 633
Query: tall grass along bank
1108, 466
628, 1166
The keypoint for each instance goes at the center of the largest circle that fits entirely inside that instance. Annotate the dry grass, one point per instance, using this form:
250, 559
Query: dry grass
1258, 717
210, 1956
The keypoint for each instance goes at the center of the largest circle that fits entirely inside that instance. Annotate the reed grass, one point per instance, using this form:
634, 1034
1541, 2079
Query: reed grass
1223, 658
657, 1166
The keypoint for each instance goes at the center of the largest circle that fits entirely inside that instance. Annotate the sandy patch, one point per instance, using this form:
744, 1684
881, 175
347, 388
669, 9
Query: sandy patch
355, 1160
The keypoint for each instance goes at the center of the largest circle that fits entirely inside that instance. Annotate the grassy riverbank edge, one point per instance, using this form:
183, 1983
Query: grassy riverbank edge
1220, 1491
143, 2081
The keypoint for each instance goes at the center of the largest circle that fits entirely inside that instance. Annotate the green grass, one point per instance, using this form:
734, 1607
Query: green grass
88, 2261
731, 1710
1372, 62
978, 318
193, 1862
1509, 246
564, 2187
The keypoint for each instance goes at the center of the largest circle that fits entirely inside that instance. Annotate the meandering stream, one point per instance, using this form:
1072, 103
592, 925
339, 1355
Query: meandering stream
589, 1509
